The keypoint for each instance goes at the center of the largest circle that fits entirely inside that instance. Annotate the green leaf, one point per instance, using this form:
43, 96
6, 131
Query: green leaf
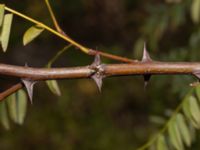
4, 116
195, 110
32, 33
17, 105
161, 144
12, 109
175, 136
183, 129
187, 112
5, 33
53, 86
195, 11
197, 91
21, 106
2, 10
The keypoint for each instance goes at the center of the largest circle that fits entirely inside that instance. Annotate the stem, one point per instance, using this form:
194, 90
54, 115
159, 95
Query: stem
139, 68
66, 38
178, 109
11, 90
82, 48
53, 17
58, 55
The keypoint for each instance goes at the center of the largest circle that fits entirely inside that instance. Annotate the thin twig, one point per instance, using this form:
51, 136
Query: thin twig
10, 91
64, 37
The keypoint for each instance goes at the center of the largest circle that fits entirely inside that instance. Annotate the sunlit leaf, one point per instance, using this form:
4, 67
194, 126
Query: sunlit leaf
161, 143
194, 108
17, 105
2, 10
195, 11
4, 116
5, 33
183, 129
53, 86
175, 136
31, 34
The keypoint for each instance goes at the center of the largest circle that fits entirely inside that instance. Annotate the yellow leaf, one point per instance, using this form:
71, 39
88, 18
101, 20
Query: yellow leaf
31, 34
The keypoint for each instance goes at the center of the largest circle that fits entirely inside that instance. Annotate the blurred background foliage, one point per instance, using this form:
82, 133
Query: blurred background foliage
123, 116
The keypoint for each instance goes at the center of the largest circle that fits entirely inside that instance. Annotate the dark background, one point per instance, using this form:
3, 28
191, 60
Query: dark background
124, 115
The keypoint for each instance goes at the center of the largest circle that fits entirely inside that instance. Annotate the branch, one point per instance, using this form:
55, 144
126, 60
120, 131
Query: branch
68, 39
11, 90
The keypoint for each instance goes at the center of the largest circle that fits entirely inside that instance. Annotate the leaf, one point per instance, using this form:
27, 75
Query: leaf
17, 105
12, 107
195, 110
161, 144
183, 129
187, 112
5, 33
32, 33
175, 136
197, 91
21, 106
2, 10
195, 11
53, 86
4, 116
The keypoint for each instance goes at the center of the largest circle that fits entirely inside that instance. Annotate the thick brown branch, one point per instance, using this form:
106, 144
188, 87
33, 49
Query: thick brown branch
96, 71
137, 68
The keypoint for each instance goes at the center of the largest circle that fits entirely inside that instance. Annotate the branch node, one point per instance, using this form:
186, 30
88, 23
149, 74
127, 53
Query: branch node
98, 74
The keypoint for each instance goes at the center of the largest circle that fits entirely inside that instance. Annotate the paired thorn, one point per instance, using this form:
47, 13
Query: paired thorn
98, 72
29, 85
146, 57
146, 80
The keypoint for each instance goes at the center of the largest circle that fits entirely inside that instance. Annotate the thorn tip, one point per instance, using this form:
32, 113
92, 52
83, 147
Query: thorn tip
29, 85
146, 57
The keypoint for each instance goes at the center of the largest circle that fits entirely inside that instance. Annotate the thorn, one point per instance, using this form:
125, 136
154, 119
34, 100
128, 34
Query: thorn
97, 61
29, 84
146, 80
146, 57
26, 64
98, 71
98, 79
197, 74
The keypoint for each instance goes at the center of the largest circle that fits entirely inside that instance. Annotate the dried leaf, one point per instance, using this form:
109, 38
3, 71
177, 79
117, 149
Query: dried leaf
175, 136
195, 11
17, 105
161, 144
53, 86
183, 129
5, 33
2, 10
4, 116
32, 33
